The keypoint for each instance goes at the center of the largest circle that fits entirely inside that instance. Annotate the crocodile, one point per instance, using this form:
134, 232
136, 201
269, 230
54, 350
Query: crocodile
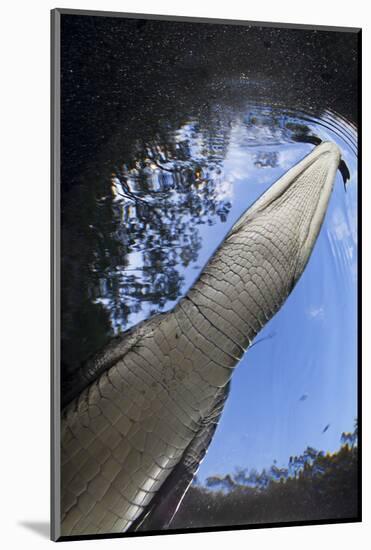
143, 412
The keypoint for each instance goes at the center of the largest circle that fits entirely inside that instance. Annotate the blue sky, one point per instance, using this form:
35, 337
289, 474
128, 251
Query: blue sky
308, 349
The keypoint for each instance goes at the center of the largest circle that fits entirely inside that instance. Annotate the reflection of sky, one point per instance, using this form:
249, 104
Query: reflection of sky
311, 349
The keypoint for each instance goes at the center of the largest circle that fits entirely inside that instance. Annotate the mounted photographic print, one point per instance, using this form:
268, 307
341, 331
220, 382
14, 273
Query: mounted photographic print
205, 274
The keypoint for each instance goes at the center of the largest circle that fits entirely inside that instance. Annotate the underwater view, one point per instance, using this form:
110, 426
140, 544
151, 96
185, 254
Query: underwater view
171, 131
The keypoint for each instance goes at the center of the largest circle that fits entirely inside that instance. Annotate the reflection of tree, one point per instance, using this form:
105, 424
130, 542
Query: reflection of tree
126, 238
315, 485
161, 196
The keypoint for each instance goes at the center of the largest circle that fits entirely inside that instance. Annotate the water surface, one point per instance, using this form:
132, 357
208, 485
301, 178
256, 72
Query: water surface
139, 233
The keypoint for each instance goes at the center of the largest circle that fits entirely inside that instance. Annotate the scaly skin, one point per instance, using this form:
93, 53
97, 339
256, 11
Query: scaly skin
129, 428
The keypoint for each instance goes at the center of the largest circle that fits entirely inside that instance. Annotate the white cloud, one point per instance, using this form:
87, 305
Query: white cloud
224, 189
339, 225
290, 156
316, 312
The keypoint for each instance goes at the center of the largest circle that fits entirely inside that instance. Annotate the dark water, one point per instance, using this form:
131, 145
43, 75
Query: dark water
169, 132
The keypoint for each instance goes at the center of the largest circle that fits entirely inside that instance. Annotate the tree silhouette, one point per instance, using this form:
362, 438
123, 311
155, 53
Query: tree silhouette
314, 486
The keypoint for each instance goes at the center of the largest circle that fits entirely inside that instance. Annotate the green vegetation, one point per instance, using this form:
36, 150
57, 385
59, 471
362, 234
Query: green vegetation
314, 486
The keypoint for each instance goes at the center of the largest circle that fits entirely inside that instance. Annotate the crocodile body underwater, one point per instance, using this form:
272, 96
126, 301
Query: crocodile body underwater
145, 409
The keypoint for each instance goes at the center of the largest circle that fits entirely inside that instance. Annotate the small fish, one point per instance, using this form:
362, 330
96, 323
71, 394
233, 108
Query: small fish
325, 428
303, 397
